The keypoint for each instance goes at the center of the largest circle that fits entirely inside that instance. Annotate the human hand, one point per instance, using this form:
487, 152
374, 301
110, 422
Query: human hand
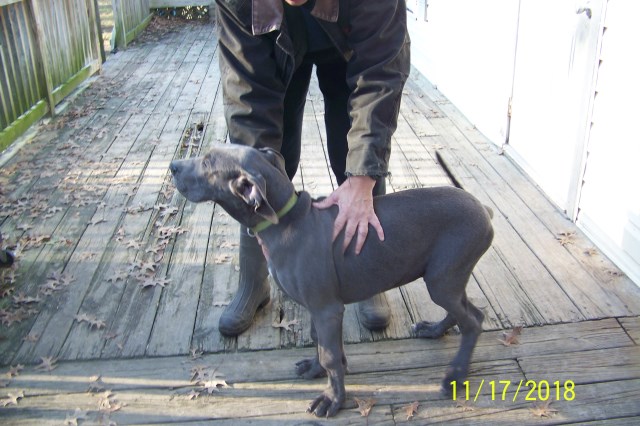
355, 210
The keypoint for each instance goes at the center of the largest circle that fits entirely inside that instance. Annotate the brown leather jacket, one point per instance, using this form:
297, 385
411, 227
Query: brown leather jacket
261, 44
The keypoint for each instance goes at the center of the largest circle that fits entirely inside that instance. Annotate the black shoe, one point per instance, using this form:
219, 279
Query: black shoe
375, 313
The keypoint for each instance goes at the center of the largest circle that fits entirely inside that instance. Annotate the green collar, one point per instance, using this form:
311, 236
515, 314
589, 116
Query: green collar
283, 211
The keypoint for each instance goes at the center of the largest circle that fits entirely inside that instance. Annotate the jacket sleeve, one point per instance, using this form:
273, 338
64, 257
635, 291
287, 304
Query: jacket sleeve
253, 90
376, 74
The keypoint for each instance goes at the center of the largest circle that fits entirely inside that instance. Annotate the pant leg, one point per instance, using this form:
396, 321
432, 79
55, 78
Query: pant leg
294, 102
333, 85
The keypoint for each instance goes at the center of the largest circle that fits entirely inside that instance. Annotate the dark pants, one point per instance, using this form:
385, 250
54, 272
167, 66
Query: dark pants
331, 75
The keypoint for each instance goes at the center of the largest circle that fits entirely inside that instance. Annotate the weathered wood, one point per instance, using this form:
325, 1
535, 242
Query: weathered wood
632, 327
600, 365
263, 386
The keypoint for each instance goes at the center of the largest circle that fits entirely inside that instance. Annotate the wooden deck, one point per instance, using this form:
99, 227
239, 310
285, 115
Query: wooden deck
119, 277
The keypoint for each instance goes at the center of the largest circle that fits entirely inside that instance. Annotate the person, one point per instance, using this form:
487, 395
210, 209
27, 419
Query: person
267, 51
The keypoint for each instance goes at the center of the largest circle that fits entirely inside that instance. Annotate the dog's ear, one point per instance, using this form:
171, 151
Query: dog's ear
252, 190
274, 158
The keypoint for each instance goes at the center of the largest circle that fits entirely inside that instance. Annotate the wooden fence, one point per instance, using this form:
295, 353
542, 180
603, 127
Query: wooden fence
47, 48
132, 16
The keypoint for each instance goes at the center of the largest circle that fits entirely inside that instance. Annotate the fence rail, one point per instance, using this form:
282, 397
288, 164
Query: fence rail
47, 48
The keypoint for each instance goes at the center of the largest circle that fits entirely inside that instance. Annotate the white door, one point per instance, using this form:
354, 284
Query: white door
554, 79
610, 202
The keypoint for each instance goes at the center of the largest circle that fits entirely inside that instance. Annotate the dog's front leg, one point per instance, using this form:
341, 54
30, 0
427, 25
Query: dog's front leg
328, 323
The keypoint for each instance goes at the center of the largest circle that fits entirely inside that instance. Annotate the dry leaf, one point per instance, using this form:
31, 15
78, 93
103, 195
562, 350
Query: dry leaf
154, 282
31, 338
134, 244
465, 405
12, 399
365, 405
23, 299
96, 384
200, 372
94, 323
48, 364
213, 384
227, 244
14, 371
169, 231
591, 252
411, 410
222, 258
543, 410
285, 324
566, 238
96, 221
511, 337
108, 404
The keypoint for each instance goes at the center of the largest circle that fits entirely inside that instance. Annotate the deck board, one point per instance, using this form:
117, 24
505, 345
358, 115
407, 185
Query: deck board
95, 181
263, 386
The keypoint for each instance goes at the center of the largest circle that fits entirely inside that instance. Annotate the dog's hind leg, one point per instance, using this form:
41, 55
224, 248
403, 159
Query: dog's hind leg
449, 293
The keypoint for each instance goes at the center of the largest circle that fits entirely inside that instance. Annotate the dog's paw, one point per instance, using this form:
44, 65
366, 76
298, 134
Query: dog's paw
310, 368
327, 404
427, 330
454, 374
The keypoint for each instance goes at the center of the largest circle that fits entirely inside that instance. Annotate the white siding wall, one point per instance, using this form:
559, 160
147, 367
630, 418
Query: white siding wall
466, 48
610, 202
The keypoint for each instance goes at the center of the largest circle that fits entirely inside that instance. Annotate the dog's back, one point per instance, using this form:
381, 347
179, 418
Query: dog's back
442, 227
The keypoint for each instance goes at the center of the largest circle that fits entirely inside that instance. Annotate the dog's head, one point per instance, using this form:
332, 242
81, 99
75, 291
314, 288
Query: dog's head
234, 176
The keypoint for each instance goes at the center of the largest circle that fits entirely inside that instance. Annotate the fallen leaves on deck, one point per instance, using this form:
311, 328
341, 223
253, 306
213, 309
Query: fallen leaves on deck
12, 398
285, 325
208, 379
47, 364
511, 337
411, 409
93, 322
543, 410
365, 405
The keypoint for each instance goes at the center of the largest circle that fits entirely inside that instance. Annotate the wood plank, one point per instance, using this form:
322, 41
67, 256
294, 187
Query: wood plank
133, 319
178, 304
136, 191
53, 322
632, 327
167, 400
220, 276
599, 365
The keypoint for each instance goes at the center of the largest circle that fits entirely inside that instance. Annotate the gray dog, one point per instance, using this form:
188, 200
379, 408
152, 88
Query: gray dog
434, 233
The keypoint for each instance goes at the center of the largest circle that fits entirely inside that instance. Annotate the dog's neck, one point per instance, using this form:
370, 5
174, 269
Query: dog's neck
280, 214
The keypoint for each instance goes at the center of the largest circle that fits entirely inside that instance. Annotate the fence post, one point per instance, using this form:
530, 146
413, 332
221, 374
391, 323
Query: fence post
98, 29
119, 24
43, 53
